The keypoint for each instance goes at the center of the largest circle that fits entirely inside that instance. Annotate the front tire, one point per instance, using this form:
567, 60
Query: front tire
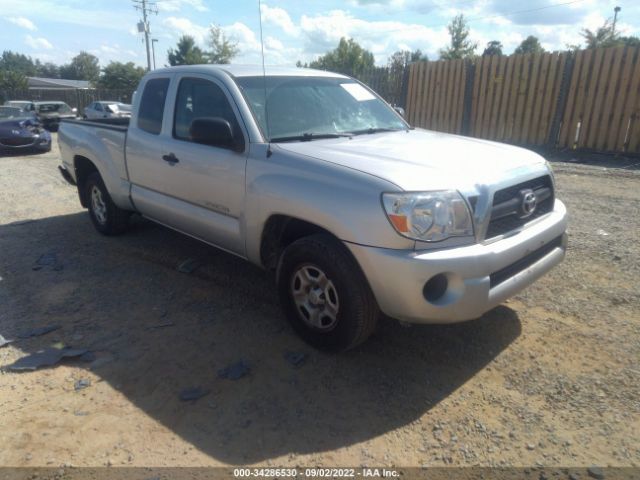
325, 295
108, 218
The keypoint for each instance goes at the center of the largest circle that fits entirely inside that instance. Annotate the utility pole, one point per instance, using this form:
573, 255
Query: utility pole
153, 51
615, 17
146, 7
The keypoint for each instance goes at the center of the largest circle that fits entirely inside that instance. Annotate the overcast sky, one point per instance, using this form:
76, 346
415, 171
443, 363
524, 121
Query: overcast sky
56, 30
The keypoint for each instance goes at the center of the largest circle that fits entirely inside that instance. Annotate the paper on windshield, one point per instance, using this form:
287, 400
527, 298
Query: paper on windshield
357, 91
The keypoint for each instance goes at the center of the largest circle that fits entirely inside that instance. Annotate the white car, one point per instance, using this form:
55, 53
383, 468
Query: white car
107, 110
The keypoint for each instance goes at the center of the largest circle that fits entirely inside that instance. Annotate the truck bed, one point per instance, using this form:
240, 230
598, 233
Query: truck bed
110, 123
102, 142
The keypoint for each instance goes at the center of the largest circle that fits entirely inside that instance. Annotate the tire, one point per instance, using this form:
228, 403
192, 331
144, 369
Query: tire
105, 215
334, 308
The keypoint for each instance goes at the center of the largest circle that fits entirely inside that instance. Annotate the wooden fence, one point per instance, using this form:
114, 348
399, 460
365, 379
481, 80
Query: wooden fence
74, 98
588, 99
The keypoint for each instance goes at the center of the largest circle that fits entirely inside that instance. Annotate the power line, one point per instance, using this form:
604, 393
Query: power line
508, 14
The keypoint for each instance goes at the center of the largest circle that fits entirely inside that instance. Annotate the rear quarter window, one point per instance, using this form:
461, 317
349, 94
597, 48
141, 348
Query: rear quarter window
152, 105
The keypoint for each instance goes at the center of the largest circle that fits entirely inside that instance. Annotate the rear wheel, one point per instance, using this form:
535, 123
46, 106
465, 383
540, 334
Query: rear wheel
108, 218
325, 295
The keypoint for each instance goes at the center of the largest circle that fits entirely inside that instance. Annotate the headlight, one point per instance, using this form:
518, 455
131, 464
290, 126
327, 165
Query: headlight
428, 216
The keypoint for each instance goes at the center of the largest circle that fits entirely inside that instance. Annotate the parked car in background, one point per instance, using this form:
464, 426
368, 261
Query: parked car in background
24, 105
50, 113
105, 109
20, 130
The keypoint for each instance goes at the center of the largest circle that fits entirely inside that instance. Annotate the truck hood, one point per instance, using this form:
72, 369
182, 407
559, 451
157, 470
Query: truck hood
423, 160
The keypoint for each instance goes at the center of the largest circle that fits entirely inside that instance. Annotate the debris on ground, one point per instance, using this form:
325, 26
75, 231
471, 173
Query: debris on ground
295, 358
39, 331
234, 371
45, 358
49, 259
161, 325
4, 341
602, 233
193, 393
188, 266
88, 357
81, 384
595, 472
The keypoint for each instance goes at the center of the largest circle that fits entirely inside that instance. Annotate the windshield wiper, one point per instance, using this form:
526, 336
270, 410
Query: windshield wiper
307, 137
377, 130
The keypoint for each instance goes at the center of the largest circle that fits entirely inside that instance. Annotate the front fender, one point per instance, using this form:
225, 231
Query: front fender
343, 201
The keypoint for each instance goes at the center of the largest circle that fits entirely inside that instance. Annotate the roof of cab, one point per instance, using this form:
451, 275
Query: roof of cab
250, 70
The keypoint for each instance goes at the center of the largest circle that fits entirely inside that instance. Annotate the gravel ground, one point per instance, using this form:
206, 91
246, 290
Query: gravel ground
549, 378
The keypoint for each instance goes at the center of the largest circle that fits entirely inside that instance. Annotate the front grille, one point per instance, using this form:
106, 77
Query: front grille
506, 214
16, 141
500, 276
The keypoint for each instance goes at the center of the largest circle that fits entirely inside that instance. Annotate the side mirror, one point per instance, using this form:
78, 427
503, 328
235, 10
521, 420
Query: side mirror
400, 110
214, 131
74, 110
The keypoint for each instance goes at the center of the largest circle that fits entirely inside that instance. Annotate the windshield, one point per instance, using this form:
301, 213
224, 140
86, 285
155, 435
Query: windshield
54, 107
316, 106
11, 112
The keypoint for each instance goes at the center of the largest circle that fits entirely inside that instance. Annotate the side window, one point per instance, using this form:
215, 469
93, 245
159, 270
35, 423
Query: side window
152, 105
98, 107
199, 98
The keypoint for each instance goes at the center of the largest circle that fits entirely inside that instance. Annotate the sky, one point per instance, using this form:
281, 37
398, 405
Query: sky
56, 30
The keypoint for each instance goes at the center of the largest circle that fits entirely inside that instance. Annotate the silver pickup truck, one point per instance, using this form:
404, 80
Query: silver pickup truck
311, 175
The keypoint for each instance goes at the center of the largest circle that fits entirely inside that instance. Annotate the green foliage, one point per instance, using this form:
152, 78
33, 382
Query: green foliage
494, 47
12, 80
603, 36
222, 50
531, 44
121, 76
348, 58
186, 53
629, 41
400, 59
461, 46
83, 66
47, 70
18, 63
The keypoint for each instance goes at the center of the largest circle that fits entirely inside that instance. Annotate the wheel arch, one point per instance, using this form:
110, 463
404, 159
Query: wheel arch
83, 168
279, 232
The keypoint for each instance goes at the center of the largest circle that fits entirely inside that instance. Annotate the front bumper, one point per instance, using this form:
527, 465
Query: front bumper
41, 142
479, 277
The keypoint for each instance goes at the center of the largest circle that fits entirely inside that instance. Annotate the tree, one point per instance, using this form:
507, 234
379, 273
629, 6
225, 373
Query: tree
17, 62
12, 80
348, 58
222, 49
494, 47
402, 58
604, 36
461, 46
186, 53
118, 75
531, 44
83, 66
629, 41
47, 70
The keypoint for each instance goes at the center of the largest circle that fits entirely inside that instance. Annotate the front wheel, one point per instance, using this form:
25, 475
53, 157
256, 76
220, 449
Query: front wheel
108, 218
325, 295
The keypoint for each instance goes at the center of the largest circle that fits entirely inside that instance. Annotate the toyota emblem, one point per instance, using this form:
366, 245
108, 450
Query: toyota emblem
529, 203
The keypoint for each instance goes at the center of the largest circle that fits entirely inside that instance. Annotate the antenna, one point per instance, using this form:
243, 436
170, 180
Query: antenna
264, 82
146, 7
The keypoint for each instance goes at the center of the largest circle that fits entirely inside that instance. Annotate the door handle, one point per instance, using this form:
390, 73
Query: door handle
170, 158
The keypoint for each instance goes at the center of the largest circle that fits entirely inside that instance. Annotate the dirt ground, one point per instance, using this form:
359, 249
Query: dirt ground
550, 378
